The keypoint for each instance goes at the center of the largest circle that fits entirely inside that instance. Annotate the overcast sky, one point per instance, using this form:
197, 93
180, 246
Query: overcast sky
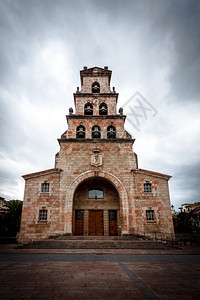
151, 46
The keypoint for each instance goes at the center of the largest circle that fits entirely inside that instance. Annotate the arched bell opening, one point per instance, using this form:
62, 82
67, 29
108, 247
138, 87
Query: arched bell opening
96, 132
96, 208
88, 109
103, 109
111, 132
80, 132
95, 87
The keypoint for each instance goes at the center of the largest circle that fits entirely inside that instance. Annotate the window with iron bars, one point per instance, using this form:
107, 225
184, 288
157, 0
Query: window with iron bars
43, 215
147, 187
45, 187
150, 215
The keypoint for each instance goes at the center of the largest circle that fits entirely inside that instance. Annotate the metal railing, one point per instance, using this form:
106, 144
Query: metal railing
192, 239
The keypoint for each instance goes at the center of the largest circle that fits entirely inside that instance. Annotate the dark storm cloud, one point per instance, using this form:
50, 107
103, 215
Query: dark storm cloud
185, 27
190, 175
178, 19
152, 44
192, 172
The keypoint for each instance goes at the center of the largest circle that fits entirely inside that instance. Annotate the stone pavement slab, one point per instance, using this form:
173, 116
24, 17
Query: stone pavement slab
66, 280
169, 280
90, 276
13, 248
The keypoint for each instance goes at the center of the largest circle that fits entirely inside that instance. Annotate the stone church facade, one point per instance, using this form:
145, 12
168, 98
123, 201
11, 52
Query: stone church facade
96, 187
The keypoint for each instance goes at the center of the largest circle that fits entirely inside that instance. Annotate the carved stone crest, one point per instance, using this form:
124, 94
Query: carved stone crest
96, 158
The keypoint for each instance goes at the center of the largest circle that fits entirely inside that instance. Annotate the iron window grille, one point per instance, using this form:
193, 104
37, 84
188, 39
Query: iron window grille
43, 215
45, 187
147, 187
150, 215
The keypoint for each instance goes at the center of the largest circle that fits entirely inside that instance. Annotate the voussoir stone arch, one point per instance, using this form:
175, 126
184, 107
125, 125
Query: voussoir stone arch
113, 180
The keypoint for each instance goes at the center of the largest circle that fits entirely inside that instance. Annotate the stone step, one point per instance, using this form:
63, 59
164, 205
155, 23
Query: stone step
100, 237
96, 244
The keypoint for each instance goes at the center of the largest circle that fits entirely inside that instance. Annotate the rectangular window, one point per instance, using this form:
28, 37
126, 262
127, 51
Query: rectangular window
150, 215
79, 214
45, 187
96, 193
43, 215
112, 215
147, 187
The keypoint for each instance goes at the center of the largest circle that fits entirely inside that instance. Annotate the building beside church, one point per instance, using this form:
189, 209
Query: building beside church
190, 207
96, 187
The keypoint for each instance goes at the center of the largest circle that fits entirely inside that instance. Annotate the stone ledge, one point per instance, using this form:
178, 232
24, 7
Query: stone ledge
42, 173
151, 173
96, 141
95, 117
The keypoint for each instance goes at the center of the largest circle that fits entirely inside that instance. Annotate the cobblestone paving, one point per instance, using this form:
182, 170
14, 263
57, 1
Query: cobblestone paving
99, 277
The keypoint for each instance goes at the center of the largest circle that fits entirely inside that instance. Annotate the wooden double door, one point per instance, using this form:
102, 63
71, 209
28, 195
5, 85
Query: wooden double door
96, 224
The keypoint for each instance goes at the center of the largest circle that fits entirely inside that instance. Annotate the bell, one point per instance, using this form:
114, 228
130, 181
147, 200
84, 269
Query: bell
96, 133
88, 110
103, 110
80, 133
111, 133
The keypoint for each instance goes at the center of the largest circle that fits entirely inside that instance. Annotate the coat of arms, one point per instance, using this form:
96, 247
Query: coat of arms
96, 158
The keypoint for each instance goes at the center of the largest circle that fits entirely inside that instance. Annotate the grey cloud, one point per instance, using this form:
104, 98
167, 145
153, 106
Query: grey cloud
136, 39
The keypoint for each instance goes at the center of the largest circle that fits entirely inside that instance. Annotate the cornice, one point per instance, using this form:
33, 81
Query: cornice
104, 117
42, 173
96, 141
151, 173
95, 96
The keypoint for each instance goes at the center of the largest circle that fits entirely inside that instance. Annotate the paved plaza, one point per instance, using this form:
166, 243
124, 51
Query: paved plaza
99, 276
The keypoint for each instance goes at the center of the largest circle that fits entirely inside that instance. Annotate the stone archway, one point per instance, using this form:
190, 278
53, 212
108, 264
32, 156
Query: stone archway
113, 180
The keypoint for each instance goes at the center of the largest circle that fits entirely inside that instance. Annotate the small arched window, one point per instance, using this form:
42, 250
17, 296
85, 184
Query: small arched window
111, 132
88, 109
80, 132
103, 109
96, 132
95, 87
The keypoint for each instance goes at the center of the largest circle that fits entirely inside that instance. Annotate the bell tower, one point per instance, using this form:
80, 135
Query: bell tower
96, 187
95, 91
98, 143
96, 109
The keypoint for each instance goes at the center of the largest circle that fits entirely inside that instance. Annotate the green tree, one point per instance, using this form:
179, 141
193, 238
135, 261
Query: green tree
13, 211
186, 223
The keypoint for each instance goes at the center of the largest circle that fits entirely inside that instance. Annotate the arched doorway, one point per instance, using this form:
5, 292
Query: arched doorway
96, 208
68, 206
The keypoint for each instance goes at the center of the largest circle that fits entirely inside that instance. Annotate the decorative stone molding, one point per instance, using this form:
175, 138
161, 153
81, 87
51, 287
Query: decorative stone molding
113, 180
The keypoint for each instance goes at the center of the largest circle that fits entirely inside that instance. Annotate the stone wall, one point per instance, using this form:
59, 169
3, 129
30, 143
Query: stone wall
158, 200
34, 200
73, 123
75, 160
81, 100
